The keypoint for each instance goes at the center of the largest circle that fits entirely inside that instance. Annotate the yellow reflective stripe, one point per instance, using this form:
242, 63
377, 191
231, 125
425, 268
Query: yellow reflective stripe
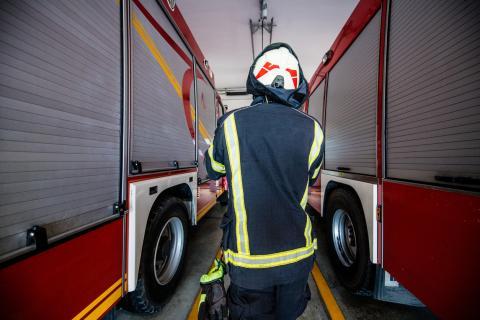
316, 145
308, 230
303, 203
217, 166
203, 297
314, 152
105, 305
308, 223
233, 148
268, 260
315, 173
96, 302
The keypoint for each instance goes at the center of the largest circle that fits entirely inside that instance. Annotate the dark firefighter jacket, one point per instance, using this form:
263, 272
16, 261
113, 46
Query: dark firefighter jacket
271, 153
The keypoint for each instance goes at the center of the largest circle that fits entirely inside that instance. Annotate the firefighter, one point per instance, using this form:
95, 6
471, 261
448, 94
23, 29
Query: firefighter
270, 153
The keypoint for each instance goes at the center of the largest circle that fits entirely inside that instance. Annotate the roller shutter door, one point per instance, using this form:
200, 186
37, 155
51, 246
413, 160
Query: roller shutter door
163, 105
207, 119
60, 104
433, 92
352, 103
315, 104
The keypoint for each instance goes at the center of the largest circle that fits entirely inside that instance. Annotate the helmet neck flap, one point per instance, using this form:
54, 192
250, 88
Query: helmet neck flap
276, 76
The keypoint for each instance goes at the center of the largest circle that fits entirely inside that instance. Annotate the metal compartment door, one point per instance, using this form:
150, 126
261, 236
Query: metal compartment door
163, 134
315, 103
433, 93
352, 105
60, 104
206, 119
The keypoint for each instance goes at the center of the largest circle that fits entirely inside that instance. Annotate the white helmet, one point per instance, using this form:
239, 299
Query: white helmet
277, 68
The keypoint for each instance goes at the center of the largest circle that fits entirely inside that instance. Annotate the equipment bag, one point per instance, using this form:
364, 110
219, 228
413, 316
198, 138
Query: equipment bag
213, 298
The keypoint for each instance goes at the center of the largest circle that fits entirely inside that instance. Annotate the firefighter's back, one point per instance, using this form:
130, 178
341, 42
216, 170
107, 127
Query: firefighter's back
275, 142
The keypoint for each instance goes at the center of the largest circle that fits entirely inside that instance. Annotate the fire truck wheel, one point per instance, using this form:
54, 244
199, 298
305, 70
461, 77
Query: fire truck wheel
348, 241
163, 256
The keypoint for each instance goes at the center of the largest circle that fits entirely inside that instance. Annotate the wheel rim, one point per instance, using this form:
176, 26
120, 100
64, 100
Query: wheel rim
168, 251
344, 237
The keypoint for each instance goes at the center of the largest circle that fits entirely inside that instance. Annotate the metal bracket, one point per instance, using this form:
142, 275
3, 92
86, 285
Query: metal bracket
120, 208
37, 236
262, 24
135, 167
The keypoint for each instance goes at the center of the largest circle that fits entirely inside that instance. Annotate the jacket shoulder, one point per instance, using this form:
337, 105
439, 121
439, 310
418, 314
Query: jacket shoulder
222, 119
307, 117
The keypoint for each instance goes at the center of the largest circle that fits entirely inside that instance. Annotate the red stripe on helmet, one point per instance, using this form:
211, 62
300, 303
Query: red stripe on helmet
294, 75
266, 68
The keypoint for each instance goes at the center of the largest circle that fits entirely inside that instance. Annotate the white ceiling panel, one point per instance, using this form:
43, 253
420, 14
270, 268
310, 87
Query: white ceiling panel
222, 30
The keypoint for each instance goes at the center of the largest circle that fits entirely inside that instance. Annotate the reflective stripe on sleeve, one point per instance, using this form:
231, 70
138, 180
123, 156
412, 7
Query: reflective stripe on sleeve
314, 153
233, 148
308, 224
269, 260
315, 173
216, 166
316, 145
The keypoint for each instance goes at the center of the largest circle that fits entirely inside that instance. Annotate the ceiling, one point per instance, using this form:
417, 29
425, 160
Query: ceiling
221, 28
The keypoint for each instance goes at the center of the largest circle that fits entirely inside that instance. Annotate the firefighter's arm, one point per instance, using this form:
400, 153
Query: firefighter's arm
214, 155
318, 150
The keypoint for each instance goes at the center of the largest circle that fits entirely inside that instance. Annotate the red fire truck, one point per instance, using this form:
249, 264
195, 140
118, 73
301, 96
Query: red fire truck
107, 108
398, 95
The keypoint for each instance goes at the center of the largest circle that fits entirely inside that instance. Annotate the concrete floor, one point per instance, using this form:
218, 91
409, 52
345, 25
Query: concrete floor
204, 241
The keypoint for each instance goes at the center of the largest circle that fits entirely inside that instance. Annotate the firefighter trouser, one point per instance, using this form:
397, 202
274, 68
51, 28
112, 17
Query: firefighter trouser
282, 302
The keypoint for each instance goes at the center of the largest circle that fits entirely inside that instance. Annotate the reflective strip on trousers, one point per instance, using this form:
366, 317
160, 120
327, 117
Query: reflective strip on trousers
233, 148
216, 166
269, 260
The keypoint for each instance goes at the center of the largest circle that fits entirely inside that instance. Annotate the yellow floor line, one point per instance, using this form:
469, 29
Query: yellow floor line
193, 315
327, 296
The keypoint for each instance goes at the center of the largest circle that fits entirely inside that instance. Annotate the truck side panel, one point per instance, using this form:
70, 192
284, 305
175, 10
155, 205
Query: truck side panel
59, 283
431, 228
430, 243
207, 119
350, 136
433, 93
60, 104
163, 135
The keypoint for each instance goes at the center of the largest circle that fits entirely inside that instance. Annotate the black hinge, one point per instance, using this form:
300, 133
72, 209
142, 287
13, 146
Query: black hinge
135, 167
120, 208
37, 236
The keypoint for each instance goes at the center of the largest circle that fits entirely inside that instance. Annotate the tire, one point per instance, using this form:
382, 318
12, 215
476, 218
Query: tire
163, 257
349, 250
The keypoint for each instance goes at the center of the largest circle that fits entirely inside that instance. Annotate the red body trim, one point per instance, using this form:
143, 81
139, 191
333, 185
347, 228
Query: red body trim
186, 85
61, 281
431, 241
163, 33
361, 16
179, 20
379, 151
